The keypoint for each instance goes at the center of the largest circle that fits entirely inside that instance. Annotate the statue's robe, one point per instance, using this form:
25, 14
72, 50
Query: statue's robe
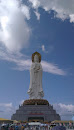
35, 89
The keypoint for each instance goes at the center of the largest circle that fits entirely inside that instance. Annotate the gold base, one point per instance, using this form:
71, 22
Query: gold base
35, 102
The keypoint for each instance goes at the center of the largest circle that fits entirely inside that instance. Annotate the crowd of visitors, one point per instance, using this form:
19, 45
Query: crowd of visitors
31, 127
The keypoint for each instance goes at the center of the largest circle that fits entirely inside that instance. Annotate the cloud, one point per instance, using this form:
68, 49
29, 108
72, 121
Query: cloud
26, 11
43, 48
72, 18
23, 62
21, 102
52, 68
14, 29
64, 9
6, 105
6, 110
37, 14
1, 111
35, 3
65, 111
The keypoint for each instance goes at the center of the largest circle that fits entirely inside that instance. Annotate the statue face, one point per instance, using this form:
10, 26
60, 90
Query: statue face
36, 58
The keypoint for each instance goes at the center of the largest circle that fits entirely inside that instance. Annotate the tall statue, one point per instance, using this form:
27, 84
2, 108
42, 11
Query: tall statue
35, 89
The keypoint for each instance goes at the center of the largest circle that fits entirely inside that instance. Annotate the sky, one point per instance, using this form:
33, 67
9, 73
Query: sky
46, 27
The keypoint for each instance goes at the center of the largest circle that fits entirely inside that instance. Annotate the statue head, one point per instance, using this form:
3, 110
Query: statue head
36, 57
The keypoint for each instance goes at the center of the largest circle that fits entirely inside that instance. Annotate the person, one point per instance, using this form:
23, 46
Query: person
35, 89
11, 128
16, 127
3, 128
22, 127
0, 126
59, 128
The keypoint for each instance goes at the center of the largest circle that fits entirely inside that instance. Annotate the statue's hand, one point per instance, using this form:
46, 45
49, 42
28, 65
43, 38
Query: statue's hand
36, 70
29, 91
41, 93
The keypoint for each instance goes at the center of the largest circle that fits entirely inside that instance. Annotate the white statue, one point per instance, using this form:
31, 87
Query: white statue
35, 89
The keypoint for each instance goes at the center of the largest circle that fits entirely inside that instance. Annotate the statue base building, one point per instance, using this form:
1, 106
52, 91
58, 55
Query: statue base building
35, 110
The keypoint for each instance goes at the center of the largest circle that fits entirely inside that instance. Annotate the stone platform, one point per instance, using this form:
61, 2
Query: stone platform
36, 110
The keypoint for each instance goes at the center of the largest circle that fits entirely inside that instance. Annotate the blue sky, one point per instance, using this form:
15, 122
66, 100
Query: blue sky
46, 27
